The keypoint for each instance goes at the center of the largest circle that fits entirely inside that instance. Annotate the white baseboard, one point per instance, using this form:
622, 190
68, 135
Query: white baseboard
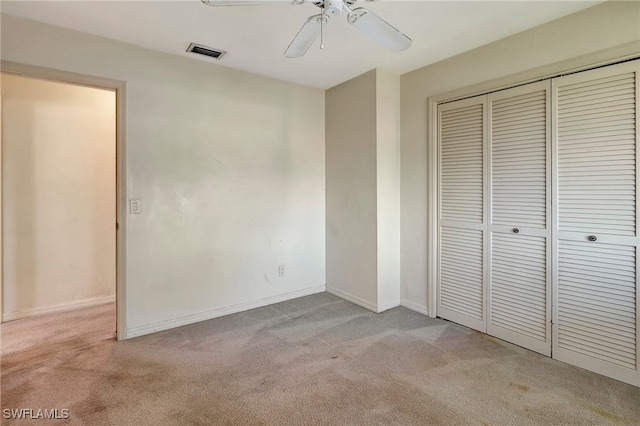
219, 312
388, 305
364, 303
353, 299
77, 304
415, 307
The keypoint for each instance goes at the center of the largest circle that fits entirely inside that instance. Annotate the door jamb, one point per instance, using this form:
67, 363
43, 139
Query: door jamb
121, 170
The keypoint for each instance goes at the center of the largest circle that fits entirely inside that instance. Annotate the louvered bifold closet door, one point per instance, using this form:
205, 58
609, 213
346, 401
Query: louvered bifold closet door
595, 167
520, 231
461, 289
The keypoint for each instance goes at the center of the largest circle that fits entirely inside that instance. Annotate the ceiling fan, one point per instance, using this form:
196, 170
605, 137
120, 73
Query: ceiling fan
364, 20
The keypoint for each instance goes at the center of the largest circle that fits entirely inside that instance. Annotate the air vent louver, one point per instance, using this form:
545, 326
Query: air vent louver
206, 51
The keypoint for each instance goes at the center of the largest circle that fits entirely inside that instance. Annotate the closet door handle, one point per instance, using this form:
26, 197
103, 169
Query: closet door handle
516, 230
593, 238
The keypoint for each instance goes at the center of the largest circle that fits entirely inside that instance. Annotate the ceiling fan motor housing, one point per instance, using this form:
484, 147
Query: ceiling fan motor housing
331, 7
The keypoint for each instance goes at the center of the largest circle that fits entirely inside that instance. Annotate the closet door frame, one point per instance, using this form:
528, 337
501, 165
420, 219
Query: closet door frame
427, 305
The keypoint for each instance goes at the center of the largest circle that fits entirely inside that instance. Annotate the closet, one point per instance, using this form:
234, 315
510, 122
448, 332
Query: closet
538, 217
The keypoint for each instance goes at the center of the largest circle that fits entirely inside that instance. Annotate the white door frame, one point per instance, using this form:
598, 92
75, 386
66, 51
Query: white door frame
121, 170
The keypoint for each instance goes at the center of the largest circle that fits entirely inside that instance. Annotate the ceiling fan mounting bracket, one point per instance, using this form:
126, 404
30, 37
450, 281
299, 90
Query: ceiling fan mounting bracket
321, 3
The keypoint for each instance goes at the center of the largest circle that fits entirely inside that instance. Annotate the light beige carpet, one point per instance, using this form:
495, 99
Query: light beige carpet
317, 360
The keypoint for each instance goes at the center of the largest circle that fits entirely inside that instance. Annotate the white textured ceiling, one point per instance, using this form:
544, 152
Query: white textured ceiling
256, 36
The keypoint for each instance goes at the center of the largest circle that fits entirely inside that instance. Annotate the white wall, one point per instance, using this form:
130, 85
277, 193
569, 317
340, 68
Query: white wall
58, 183
605, 26
363, 184
351, 205
388, 188
229, 168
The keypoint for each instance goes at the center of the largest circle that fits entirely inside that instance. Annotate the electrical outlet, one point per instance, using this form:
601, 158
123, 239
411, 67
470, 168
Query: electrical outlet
281, 271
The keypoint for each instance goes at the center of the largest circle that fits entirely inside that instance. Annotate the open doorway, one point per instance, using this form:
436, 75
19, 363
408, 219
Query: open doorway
59, 198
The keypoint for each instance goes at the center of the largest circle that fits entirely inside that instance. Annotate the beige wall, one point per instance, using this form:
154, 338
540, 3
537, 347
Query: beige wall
351, 206
363, 183
229, 169
388, 188
605, 26
58, 183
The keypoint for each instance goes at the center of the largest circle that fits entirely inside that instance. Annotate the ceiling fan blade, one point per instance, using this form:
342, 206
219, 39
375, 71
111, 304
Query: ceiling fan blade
306, 36
378, 29
247, 2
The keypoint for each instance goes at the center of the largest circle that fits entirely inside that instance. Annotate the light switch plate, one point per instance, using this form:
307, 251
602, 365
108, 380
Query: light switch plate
134, 206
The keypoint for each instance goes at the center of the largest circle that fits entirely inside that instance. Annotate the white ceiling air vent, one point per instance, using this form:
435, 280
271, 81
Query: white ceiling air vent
206, 51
